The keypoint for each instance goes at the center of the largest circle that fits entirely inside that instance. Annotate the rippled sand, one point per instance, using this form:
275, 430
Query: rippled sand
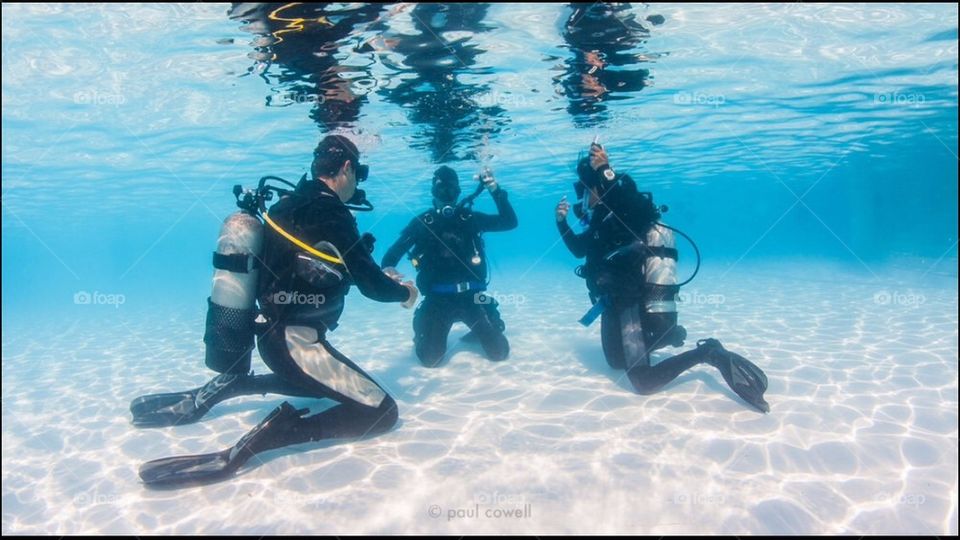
862, 437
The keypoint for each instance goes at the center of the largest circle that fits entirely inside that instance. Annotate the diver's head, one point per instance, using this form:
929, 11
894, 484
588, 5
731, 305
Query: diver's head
336, 162
445, 188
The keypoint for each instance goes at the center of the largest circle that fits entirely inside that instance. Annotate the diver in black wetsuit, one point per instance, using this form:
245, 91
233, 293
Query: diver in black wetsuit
447, 251
615, 245
301, 293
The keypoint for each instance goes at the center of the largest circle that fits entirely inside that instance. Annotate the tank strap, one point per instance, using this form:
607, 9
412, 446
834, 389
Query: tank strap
663, 252
241, 263
658, 293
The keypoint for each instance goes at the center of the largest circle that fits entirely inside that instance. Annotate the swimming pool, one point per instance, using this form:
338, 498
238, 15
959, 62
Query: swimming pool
810, 150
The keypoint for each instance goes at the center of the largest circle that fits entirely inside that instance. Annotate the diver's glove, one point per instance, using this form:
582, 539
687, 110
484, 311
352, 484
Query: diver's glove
489, 182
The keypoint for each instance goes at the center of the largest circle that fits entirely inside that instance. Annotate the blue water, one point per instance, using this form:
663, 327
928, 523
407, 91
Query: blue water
809, 148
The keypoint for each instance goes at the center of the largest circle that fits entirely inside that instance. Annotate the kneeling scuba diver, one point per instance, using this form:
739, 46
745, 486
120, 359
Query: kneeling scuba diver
296, 261
630, 272
445, 246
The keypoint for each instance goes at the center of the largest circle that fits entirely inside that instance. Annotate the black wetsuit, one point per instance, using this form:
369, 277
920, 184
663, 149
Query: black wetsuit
451, 275
620, 221
299, 314
300, 308
301, 296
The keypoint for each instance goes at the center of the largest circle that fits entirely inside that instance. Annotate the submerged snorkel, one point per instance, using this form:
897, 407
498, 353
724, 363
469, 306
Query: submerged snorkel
586, 180
593, 182
581, 208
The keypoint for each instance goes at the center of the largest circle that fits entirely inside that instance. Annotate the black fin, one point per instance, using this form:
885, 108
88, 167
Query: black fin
178, 408
183, 471
743, 376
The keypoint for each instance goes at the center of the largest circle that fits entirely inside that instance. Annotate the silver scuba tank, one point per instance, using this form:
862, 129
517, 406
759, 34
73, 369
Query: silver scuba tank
660, 273
231, 308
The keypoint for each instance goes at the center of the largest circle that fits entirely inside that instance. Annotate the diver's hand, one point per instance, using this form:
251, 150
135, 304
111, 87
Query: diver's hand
392, 273
414, 293
562, 208
598, 157
489, 182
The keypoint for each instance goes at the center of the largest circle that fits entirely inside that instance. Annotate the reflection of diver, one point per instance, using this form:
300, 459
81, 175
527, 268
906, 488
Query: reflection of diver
311, 254
446, 249
451, 114
603, 38
302, 40
631, 274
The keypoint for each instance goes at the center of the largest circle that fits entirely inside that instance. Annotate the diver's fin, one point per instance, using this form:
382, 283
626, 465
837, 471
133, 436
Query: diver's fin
178, 408
743, 376
159, 410
470, 337
184, 471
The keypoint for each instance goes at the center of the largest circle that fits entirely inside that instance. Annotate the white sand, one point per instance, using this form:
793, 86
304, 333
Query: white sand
862, 437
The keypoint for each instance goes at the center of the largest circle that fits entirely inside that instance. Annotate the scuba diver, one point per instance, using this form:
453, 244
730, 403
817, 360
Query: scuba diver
298, 267
630, 272
446, 248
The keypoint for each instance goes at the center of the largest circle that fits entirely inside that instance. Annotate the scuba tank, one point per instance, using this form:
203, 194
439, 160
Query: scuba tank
654, 261
660, 276
660, 270
660, 296
231, 307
